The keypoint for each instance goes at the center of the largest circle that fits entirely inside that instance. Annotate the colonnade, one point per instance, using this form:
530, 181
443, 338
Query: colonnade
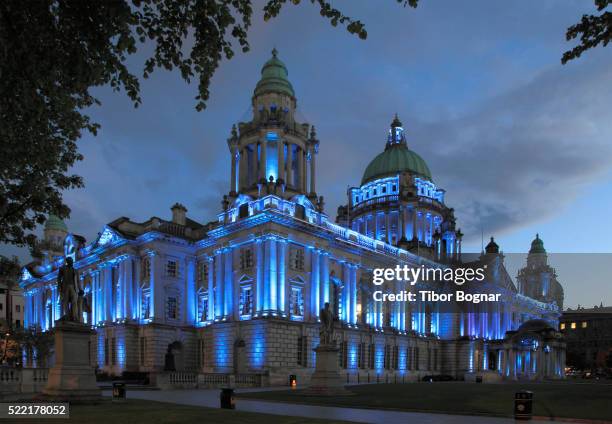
293, 163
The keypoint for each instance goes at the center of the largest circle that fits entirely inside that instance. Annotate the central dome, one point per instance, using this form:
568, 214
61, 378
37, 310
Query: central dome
396, 159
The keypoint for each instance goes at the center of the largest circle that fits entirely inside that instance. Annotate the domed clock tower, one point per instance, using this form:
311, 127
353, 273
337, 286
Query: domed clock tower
273, 153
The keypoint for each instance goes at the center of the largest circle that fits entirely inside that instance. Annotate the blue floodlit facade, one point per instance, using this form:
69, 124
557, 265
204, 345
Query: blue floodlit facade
241, 295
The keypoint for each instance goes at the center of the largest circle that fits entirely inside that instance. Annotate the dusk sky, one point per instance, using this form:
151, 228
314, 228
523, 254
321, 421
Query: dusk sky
521, 143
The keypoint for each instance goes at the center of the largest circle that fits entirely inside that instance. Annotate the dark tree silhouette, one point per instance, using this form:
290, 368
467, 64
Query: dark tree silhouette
593, 30
52, 52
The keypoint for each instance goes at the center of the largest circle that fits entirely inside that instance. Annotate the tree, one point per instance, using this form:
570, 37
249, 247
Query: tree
593, 31
52, 52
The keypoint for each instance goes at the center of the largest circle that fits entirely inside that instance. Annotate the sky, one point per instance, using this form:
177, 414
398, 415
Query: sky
521, 143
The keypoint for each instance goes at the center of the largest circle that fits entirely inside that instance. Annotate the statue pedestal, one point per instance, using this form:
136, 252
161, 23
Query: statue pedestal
326, 379
72, 378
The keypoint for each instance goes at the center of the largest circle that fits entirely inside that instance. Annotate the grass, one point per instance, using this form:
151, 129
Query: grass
149, 412
555, 400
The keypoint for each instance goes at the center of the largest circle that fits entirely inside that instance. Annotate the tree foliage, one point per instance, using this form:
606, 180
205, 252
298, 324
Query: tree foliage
593, 30
52, 52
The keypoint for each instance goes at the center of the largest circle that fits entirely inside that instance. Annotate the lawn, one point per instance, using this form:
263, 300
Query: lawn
149, 412
559, 399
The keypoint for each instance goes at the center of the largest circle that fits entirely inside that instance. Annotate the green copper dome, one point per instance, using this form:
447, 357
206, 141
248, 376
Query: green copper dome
396, 159
54, 223
274, 78
537, 245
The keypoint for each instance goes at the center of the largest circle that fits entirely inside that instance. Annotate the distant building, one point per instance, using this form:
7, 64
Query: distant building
588, 334
240, 296
11, 305
538, 280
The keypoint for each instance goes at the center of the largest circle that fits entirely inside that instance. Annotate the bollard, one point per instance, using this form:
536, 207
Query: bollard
293, 381
227, 398
119, 392
523, 405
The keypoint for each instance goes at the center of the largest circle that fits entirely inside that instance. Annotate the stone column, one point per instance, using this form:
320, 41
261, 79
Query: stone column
233, 176
315, 279
94, 297
282, 284
400, 224
259, 276
54, 300
263, 164
128, 290
271, 262
313, 155
387, 227
253, 172
108, 293
211, 289
346, 292
324, 281
219, 310
354, 294
191, 304
228, 284
280, 145
300, 161
289, 180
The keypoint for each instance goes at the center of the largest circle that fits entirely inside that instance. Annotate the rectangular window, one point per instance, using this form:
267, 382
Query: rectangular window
372, 356
201, 352
361, 359
296, 258
246, 259
145, 269
395, 357
113, 351
584, 324
302, 351
203, 307
296, 302
246, 301
562, 326
573, 326
106, 352
343, 357
202, 273
146, 303
18, 309
142, 350
172, 312
172, 268
17, 323
409, 360
387, 357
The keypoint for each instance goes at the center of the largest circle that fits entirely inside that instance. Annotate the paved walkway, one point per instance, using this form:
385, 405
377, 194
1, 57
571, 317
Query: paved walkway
210, 398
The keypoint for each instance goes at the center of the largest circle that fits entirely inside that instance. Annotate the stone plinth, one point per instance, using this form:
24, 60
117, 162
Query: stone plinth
326, 379
72, 378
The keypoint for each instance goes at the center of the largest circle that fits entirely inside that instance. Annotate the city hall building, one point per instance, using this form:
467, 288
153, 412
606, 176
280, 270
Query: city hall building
240, 296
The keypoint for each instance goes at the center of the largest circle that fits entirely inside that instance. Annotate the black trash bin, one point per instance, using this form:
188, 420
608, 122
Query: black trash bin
523, 405
227, 398
118, 392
